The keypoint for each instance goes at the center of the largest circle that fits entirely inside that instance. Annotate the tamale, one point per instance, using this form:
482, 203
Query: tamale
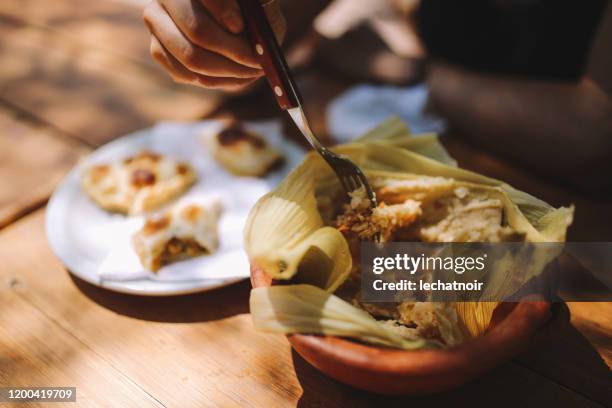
291, 236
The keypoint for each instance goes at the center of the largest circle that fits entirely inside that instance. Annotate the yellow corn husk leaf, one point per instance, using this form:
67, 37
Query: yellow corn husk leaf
285, 234
475, 316
309, 309
396, 133
391, 129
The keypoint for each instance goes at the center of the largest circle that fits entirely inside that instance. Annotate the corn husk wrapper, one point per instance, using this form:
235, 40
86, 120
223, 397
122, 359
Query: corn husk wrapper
307, 309
286, 237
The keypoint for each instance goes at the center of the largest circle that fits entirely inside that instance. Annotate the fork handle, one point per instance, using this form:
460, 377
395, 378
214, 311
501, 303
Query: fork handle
269, 53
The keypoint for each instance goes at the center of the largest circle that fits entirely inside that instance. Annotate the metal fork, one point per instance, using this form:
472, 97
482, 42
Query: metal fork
350, 175
288, 97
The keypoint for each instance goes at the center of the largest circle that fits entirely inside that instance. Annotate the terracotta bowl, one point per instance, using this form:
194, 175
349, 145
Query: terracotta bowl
397, 372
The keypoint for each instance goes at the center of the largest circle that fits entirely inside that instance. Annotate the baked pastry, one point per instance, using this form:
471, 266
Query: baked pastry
184, 231
242, 152
137, 184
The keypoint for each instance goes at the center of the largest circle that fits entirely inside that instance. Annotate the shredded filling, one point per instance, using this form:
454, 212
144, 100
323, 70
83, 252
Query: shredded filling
177, 249
423, 210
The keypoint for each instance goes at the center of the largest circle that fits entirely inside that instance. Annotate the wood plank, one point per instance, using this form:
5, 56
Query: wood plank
33, 158
594, 319
509, 385
202, 350
187, 351
36, 352
87, 92
116, 27
572, 357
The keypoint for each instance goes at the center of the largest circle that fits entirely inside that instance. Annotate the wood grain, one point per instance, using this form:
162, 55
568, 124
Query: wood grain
36, 351
115, 27
572, 358
188, 351
594, 319
33, 158
509, 385
86, 91
201, 350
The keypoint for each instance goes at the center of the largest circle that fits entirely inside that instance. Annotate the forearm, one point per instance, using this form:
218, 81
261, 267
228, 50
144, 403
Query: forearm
564, 130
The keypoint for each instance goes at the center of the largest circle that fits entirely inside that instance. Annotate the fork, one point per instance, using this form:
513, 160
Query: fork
288, 97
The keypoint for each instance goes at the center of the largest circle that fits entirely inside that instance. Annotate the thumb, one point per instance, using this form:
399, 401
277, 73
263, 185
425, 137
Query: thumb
225, 12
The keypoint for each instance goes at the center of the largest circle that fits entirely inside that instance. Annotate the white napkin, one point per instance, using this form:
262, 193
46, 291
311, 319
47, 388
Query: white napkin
238, 194
363, 107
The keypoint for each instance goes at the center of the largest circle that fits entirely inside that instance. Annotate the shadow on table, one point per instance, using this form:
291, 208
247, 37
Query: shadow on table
561, 369
201, 307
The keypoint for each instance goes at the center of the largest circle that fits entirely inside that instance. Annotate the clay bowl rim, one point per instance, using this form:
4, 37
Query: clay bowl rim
513, 327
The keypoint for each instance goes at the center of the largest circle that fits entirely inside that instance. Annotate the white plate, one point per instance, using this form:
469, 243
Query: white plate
72, 219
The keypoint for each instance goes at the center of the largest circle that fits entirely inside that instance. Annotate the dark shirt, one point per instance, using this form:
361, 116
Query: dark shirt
544, 39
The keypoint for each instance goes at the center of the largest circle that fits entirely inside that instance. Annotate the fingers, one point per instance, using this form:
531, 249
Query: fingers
201, 41
180, 74
227, 13
190, 55
196, 24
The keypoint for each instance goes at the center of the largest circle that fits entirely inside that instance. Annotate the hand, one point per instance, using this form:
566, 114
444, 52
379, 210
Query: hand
199, 42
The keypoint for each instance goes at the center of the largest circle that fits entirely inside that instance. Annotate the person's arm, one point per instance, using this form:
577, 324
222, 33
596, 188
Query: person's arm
560, 129
563, 130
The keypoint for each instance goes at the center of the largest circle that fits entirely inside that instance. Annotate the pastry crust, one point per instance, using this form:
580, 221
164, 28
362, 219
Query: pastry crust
184, 231
137, 184
243, 153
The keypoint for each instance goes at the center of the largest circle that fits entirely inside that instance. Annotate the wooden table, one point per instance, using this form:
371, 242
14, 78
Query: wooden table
75, 75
